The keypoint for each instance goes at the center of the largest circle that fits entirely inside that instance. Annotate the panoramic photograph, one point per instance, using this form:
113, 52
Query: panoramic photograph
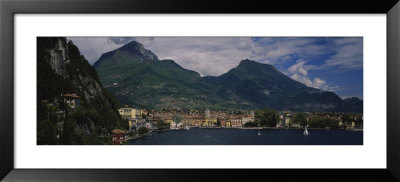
199, 91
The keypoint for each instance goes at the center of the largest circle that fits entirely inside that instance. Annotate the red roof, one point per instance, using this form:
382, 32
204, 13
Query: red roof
118, 131
71, 95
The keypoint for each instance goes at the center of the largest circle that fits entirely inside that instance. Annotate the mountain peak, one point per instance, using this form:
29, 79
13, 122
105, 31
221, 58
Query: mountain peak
137, 49
246, 61
134, 50
132, 45
250, 64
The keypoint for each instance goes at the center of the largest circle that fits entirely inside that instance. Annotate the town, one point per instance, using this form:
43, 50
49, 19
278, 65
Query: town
144, 121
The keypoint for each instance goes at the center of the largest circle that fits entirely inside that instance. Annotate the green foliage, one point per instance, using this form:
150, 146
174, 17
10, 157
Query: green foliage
132, 133
347, 120
106, 140
68, 137
317, 122
218, 122
359, 122
251, 124
300, 119
332, 123
266, 117
176, 118
162, 125
46, 133
143, 130
320, 122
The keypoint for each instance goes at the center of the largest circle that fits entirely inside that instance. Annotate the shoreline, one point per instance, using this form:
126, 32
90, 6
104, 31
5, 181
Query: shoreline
242, 128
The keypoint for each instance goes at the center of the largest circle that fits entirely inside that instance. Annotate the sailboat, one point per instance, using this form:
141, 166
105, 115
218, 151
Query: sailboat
306, 131
259, 132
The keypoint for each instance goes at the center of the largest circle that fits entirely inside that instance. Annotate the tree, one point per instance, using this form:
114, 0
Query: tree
218, 122
162, 125
359, 122
177, 119
346, 120
300, 119
143, 130
251, 124
68, 131
267, 117
332, 123
46, 133
317, 122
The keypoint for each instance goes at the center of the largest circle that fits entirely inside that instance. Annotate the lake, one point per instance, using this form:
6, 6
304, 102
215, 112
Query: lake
232, 136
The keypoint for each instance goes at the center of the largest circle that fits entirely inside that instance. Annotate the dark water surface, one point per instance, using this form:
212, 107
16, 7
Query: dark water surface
228, 136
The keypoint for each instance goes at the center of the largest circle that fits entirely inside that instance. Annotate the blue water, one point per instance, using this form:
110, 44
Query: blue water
228, 136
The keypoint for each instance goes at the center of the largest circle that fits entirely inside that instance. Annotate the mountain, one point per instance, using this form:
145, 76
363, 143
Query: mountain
149, 82
137, 77
61, 70
263, 85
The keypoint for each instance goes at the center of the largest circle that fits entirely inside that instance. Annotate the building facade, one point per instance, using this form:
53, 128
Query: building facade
118, 136
72, 100
236, 122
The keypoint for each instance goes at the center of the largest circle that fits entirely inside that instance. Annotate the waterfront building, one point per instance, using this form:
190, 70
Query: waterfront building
226, 123
210, 122
223, 123
118, 136
132, 124
236, 122
149, 125
287, 118
173, 125
72, 100
130, 113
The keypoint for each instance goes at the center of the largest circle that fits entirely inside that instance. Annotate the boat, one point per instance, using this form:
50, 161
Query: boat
259, 132
306, 131
187, 127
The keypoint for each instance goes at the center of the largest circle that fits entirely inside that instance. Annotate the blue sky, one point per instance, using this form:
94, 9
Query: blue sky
328, 63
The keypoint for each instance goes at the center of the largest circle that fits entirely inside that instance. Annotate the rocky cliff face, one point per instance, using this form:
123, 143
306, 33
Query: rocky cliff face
61, 69
58, 58
81, 79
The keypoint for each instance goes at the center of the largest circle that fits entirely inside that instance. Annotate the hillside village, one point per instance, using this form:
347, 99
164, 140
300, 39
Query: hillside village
144, 121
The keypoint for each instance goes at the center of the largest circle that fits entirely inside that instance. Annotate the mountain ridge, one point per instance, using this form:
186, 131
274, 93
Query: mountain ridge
250, 85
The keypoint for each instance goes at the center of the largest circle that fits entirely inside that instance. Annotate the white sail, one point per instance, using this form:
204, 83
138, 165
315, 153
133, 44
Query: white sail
306, 131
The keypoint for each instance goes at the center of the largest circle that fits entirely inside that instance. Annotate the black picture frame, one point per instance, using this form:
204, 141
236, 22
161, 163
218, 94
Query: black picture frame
8, 8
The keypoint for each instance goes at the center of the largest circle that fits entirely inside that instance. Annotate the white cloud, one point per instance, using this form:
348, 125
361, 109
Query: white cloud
320, 84
216, 55
299, 73
298, 68
208, 56
302, 79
